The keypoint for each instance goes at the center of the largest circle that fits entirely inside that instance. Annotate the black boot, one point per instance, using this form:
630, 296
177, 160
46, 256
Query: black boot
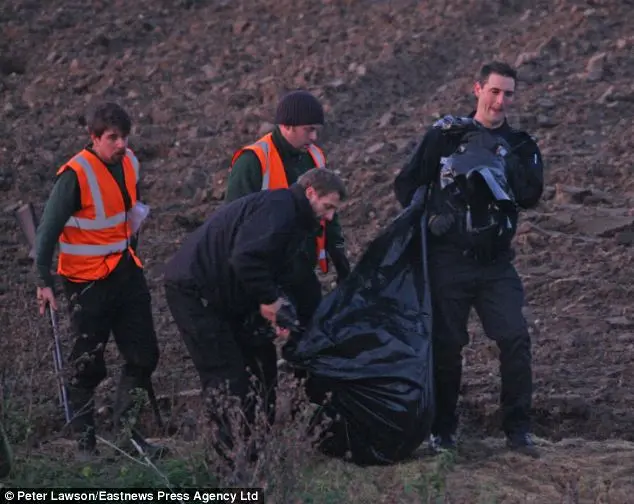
233, 423
82, 405
213, 406
124, 418
522, 442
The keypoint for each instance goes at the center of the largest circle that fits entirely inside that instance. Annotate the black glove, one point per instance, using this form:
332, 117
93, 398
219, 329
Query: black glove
340, 262
439, 224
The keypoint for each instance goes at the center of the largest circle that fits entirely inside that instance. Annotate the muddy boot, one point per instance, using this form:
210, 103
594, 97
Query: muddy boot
82, 405
125, 419
221, 412
521, 442
223, 444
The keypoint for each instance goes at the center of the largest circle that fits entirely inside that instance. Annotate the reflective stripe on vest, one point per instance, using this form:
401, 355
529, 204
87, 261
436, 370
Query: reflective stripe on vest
93, 250
318, 157
266, 175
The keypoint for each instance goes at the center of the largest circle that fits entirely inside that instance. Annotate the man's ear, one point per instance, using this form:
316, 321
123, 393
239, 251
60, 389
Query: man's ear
477, 89
310, 192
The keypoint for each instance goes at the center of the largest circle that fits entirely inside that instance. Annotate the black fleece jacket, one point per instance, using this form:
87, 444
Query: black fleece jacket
241, 256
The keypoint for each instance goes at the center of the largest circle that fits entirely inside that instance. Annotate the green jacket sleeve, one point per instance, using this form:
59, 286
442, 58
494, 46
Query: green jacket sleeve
61, 205
245, 177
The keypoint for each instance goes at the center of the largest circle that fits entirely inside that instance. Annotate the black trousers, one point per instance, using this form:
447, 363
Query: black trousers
305, 294
223, 351
459, 283
119, 304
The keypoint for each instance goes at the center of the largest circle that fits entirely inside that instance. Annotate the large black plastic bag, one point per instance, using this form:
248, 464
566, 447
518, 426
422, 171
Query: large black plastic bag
369, 343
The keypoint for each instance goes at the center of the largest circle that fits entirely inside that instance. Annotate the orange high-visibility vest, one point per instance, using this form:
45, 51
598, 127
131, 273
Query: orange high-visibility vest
94, 238
274, 177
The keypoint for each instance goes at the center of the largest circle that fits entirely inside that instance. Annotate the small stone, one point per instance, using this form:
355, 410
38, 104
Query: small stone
604, 97
570, 194
619, 322
337, 84
209, 71
595, 67
546, 103
526, 57
386, 119
545, 121
373, 149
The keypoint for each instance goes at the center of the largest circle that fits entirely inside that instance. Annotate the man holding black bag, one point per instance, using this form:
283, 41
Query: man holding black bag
227, 285
479, 172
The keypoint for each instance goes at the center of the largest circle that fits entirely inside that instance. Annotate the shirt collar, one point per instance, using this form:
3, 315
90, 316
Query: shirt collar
90, 149
283, 146
503, 128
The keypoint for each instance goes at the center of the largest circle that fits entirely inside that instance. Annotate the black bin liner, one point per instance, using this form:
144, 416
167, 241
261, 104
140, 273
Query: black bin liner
369, 344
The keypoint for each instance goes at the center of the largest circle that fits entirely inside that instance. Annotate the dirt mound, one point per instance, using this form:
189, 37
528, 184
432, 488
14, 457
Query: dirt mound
201, 78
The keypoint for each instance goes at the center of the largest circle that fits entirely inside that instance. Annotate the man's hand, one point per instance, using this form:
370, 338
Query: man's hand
45, 296
269, 312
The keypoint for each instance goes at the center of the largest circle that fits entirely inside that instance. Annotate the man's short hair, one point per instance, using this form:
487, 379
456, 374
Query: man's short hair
496, 67
323, 181
108, 116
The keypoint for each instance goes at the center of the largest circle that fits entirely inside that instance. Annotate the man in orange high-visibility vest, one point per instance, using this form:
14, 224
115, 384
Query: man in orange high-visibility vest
89, 215
276, 161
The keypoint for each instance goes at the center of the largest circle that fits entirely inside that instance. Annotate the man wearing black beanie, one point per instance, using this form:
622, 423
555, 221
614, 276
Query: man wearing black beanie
276, 161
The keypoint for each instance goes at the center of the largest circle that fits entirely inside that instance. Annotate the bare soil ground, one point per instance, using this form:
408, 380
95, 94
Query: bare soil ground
201, 78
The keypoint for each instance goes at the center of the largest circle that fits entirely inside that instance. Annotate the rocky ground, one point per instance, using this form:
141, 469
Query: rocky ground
201, 78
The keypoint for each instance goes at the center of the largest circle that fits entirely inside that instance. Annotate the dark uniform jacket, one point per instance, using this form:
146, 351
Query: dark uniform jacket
239, 258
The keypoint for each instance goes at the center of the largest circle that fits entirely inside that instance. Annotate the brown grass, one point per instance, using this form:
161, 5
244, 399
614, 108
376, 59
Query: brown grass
290, 467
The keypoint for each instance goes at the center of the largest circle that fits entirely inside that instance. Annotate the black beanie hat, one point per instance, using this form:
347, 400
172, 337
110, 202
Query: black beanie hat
299, 108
